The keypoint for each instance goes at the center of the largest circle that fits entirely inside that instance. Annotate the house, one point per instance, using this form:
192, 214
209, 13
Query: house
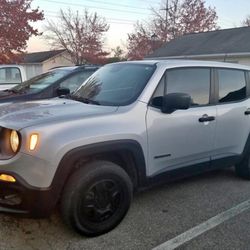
229, 45
39, 62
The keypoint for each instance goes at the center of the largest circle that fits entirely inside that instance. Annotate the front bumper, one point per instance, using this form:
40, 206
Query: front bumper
36, 172
20, 197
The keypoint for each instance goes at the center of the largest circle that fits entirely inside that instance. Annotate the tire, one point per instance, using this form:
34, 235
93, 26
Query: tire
96, 198
243, 168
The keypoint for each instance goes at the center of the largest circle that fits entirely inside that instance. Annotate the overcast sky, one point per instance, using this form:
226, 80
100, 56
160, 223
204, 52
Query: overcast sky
121, 15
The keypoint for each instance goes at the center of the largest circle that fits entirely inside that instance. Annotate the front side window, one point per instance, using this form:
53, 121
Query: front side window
10, 75
115, 84
192, 81
74, 81
232, 85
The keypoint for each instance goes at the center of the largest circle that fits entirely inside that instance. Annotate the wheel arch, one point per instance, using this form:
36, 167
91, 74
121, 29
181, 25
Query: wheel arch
246, 149
126, 153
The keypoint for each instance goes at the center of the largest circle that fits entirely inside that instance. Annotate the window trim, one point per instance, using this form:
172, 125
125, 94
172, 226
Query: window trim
164, 89
212, 86
247, 81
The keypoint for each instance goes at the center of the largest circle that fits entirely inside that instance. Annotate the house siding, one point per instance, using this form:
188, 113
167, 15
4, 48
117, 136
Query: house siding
62, 59
32, 69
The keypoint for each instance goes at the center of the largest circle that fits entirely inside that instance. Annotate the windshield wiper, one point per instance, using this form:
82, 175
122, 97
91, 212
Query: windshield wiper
83, 99
12, 91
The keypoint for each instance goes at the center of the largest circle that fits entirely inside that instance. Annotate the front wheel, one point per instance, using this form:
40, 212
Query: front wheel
96, 198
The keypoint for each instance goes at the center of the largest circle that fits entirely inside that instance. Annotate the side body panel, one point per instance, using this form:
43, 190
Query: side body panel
233, 128
179, 139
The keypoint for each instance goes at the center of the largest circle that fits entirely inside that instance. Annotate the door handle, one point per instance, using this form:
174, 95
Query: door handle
247, 112
206, 118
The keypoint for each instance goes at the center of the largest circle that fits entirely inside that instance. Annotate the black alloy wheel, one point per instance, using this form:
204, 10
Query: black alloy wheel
96, 198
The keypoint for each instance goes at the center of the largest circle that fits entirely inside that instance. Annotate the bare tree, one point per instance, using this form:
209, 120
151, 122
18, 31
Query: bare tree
82, 36
246, 21
118, 52
173, 18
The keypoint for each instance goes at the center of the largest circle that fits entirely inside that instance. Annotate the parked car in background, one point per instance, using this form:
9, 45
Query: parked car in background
11, 75
56, 82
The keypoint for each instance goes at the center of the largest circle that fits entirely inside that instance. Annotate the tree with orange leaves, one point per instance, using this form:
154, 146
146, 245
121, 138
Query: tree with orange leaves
15, 28
174, 18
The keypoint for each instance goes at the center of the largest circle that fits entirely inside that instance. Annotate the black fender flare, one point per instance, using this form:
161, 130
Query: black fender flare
246, 150
66, 165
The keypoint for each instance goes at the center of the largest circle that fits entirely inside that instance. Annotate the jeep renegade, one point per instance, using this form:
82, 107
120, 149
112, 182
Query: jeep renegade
129, 126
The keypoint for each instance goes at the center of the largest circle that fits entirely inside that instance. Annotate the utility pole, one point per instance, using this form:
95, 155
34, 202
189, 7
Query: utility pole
166, 16
167, 9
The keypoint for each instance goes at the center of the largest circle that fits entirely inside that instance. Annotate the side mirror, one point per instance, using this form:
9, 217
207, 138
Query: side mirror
175, 101
62, 91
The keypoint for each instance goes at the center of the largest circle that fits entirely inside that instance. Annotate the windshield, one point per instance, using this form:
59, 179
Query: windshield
115, 84
40, 82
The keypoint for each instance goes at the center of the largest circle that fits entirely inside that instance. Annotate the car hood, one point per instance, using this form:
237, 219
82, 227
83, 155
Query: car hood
25, 114
8, 95
4, 94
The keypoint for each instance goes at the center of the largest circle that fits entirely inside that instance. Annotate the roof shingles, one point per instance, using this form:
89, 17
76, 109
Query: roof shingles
39, 57
236, 40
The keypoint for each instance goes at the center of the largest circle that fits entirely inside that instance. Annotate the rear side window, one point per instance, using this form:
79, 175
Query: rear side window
192, 81
232, 85
10, 75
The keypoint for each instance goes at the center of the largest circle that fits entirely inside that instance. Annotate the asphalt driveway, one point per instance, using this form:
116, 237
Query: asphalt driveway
156, 216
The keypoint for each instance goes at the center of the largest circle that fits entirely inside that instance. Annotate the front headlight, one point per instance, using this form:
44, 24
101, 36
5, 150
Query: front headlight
14, 140
10, 143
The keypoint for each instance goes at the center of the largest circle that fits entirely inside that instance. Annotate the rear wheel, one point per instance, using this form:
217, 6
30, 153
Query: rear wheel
243, 168
96, 198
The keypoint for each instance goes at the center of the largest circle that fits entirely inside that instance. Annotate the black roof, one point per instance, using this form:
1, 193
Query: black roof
39, 57
236, 40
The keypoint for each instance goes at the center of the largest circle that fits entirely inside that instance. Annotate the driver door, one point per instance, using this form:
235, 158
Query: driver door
181, 138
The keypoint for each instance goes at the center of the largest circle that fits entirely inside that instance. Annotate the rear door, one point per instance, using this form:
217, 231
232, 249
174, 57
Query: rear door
182, 138
233, 112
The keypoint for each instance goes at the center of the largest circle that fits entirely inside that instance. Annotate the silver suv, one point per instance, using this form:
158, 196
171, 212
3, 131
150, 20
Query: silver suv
129, 126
